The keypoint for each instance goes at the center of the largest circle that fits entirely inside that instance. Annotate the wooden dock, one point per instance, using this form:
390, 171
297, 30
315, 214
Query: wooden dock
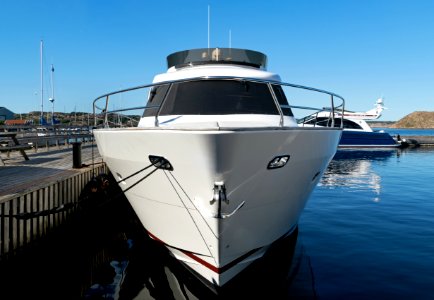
38, 194
419, 140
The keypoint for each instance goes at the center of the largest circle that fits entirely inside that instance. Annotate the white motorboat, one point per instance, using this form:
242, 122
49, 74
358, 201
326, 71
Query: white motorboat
217, 167
356, 131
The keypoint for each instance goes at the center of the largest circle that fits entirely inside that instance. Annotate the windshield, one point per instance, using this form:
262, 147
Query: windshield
216, 97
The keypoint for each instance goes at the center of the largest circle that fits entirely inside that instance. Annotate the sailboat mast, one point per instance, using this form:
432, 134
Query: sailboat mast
52, 82
209, 9
42, 83
52, 94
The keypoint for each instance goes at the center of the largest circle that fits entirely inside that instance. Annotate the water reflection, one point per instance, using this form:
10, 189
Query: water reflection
152, 273
354, 169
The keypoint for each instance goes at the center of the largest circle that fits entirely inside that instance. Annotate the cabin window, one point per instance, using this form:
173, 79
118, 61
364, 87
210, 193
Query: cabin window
321, 121
350, 124
155, 98
280, 95
217, 97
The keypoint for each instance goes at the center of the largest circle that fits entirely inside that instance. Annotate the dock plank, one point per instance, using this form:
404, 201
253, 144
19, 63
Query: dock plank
43, 167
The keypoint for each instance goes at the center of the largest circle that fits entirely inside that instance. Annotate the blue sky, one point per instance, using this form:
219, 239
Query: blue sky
360, 50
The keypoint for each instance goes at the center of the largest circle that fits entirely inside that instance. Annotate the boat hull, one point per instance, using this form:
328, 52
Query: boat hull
214, 237
364, 139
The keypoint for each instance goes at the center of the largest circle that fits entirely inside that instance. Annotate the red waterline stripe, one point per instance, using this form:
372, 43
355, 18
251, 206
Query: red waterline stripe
205, 263
201, 261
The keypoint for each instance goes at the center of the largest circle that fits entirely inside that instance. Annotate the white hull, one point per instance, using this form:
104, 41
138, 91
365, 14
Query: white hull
175, 206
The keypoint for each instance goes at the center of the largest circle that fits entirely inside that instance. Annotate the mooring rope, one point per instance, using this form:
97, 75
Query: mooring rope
140, 180
135, 173
68, 206
54, 210
192, 203
194, 222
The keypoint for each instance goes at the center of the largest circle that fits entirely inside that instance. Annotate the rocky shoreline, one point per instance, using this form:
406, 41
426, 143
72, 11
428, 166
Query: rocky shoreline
379, 124
416, 120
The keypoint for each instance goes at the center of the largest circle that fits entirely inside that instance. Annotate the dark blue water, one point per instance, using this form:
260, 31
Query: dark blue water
369, 227
367, 232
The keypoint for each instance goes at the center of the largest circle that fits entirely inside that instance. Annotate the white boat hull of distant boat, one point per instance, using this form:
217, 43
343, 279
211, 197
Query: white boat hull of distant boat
356, 131
176, 206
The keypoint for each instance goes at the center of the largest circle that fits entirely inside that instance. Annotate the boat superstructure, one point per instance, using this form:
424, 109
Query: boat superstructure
216, 167
356, 131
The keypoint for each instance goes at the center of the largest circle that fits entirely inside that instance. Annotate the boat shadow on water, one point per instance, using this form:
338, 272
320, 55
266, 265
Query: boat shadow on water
144, 269
152, 273
105, 253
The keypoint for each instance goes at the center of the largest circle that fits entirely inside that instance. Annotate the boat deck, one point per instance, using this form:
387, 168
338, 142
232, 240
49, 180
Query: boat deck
43, 167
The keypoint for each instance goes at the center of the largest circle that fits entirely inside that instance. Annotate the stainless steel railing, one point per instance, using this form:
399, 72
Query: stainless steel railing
101, 112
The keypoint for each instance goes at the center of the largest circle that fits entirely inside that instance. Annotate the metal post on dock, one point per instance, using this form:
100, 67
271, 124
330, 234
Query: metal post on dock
76, 155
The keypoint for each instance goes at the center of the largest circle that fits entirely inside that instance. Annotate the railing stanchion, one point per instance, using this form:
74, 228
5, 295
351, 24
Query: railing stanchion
106, 111
333, 112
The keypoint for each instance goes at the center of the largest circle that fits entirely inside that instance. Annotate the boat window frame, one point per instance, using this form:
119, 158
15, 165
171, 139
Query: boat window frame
275, 94
105, 112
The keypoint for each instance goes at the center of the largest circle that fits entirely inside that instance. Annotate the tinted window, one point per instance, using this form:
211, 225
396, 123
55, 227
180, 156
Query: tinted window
156, 96
216, 97
351, 124
320, 122
281, 98
327, 122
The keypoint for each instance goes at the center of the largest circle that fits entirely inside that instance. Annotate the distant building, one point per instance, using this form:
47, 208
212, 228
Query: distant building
6, 114
18, 122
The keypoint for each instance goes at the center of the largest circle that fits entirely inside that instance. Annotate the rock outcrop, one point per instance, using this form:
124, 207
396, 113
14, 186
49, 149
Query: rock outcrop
417, 119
